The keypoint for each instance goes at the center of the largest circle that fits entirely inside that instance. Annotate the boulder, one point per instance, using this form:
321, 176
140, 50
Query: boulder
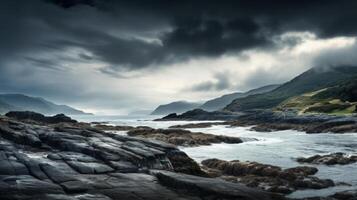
37, 117
267, 177
183, 137
207, 188
329, 159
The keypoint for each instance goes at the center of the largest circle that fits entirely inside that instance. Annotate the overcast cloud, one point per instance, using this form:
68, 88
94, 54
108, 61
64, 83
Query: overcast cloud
116, 56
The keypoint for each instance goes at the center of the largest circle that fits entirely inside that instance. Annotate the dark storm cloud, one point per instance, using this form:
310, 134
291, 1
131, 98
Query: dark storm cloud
44, 63
221, 82
132, 35
136, 34
212, 28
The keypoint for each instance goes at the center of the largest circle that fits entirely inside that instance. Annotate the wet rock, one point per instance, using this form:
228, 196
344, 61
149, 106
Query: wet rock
207, 188
90, 167
37, 117
27, 185
92, 197
106, 127
197, 125
313, 183
184, 164
238, 168
267, 177
201, 115
74, 186
8, 167
75, 161
183, 137
55, 175
137, 186
334, 126
124, 166
13, 135
71, 156
330, 159
345, 195
302, 170
267, 121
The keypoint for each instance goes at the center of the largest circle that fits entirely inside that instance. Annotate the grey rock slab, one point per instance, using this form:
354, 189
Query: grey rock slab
124, 166
12, 135
139, 186
139, 151
35, 170
90, 167
92, 197
208, 187
148, 148
9, 167
55, 175
127, 155
135, 177
74, 186
78, 157
108, 156
54, 156
25, 184
3, 155
19, 168
98, 181
53, 197
149, 142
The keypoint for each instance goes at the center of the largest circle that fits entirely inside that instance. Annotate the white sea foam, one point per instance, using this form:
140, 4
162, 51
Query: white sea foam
276, 148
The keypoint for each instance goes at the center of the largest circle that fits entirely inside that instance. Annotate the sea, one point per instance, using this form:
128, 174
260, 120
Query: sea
279, 148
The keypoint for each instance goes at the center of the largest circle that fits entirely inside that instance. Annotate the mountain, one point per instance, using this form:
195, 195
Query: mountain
20, 102
211, 105
309, 81
221, 102
340, 99
175, 107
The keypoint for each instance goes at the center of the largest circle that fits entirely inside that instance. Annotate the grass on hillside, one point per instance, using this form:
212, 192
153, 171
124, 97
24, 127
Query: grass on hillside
318, 102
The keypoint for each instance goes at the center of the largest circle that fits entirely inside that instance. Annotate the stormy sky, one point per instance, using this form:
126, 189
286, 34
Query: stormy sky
114, 56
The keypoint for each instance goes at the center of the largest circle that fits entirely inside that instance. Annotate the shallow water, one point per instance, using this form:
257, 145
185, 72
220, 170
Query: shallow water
276, 148
146, 120
281, 148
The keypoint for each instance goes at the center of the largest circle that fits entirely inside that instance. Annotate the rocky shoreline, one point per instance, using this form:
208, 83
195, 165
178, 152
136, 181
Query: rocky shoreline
268, 121
59, 158
182, 137
330, 159
74, 161
267, 177
175, 135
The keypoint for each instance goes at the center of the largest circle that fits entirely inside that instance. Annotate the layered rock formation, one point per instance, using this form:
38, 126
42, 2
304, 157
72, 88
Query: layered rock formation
74, 161
198, 125
344, 195
182, 137
330, 159
199, 114
267, 121
37, 117
267, 177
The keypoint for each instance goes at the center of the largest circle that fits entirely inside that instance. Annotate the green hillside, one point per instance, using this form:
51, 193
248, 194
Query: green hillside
220, 102
309, 81
340, 99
